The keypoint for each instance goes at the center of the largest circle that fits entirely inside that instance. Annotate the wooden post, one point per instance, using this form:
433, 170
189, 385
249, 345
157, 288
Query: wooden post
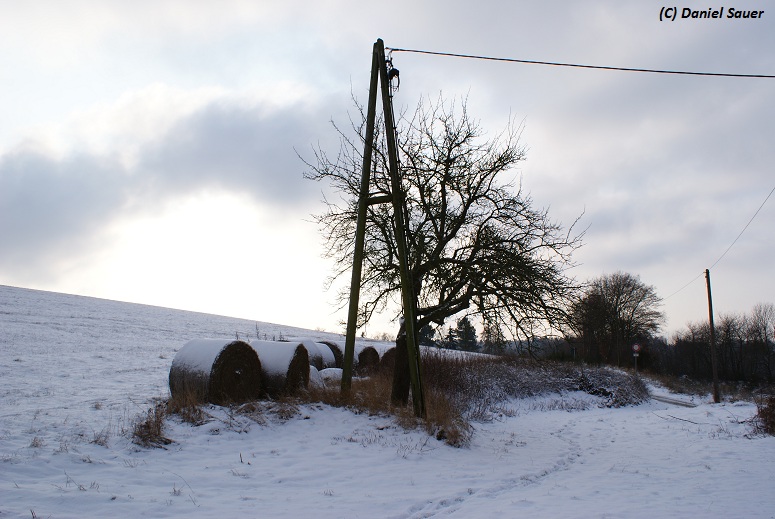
379, 71
360, 228
713, 362
407, 291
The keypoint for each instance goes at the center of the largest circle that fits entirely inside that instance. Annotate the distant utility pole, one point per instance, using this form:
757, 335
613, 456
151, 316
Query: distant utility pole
379, 72
713, 361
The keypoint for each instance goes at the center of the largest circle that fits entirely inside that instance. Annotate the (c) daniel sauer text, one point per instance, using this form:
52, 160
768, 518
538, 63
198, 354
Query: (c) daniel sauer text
687, 13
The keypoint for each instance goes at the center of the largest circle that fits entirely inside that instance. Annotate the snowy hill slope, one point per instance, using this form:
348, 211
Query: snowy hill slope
75, 372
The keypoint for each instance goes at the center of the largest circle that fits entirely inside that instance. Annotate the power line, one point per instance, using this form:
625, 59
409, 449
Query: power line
744, 228
575, 65
728, 248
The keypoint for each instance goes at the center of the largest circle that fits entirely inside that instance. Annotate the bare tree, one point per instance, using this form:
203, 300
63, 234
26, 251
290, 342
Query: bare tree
761, 332
613, 312
475, 241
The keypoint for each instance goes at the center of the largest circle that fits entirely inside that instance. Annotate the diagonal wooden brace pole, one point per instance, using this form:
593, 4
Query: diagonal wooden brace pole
360, 228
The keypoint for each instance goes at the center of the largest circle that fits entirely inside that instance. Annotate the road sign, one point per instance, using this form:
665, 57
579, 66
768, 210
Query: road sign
636, 348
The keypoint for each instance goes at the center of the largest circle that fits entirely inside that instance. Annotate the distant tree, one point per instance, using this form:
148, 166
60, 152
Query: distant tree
466, 334
761, 336
427, 334
493, 339
450, 340
614, 312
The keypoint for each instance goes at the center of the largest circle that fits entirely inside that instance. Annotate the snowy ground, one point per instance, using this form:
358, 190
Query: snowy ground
75, 372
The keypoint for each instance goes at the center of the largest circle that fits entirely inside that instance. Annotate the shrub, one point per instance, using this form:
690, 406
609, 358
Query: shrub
765, 416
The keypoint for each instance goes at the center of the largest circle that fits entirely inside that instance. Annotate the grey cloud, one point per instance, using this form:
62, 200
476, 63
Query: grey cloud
231, 148
50, 205
52, 208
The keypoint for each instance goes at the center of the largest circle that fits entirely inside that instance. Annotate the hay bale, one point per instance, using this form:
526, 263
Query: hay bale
388, 361
368, 361
315, 379
331, 376
315, 356
329, 360
337, 350
216, 371
284, 366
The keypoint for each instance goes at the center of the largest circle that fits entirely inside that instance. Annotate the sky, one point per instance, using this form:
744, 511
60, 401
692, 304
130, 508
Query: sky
150, 151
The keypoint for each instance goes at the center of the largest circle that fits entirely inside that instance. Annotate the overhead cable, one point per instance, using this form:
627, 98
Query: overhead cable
575, 65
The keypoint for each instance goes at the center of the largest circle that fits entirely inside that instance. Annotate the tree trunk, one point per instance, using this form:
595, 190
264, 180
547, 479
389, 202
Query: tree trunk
401, 381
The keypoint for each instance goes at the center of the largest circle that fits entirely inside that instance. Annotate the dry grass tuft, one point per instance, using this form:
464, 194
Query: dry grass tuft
187, 405
765, 416
148, 430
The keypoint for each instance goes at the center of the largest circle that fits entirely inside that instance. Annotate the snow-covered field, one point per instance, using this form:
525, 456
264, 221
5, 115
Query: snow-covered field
75, 372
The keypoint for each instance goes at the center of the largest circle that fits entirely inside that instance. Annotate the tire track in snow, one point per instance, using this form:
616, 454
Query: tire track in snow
444, 507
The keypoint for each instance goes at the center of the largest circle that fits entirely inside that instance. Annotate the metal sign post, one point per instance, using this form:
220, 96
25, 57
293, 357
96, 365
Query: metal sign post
635, 354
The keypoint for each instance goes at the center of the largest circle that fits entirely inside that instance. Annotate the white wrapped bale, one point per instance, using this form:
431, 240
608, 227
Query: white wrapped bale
216, 371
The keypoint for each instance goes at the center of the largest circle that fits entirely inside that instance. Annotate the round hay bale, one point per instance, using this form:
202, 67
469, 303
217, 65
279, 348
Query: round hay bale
388, 361
337, 351
315, 379
329, 360
315, 357
331, 375
216, 371
368, 360
284, 366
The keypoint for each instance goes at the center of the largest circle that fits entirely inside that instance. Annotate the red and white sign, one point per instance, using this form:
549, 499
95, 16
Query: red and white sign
636, 348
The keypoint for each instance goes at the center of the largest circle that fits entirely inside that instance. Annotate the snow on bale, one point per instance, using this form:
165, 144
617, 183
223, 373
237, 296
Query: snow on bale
320, 355
331, 376
216, 371
284, 366
315, 378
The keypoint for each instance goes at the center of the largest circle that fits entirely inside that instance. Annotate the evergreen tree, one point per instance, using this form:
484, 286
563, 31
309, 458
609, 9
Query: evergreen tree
466, 334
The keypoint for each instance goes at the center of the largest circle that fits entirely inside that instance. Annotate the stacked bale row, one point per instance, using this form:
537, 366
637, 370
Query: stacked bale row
223, 372
365, 362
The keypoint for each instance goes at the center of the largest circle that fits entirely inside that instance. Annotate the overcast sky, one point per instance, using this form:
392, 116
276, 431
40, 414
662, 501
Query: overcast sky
148, 149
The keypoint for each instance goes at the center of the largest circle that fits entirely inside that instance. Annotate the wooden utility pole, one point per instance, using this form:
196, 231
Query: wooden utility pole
713, 361
379, 70
360, 229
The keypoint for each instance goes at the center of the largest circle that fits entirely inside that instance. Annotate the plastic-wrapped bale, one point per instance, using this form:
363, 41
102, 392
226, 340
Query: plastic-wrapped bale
284, 366
337, 351
368, 360
216, 371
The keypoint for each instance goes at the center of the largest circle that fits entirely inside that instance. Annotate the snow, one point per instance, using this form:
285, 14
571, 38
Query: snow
275, 356
200, 354
75, 372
